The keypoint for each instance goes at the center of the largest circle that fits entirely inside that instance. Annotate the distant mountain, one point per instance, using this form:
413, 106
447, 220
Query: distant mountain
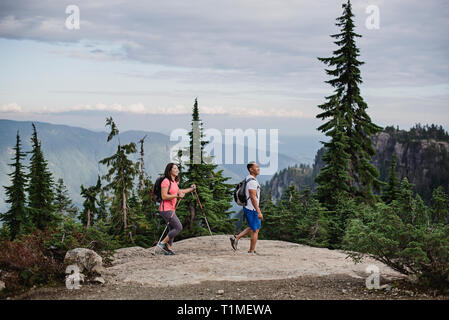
300, 175
422, 155
73, 153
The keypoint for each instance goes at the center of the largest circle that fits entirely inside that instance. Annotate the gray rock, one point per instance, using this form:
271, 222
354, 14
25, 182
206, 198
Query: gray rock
85, 259
98, 280
386, 287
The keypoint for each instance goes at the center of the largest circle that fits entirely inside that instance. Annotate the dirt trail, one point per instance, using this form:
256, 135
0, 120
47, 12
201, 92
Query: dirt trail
212, 258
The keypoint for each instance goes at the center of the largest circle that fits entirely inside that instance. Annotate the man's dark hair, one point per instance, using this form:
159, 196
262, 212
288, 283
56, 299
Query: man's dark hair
250, 164
167, 173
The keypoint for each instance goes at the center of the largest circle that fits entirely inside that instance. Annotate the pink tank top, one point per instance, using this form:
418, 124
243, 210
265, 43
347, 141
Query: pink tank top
169, 204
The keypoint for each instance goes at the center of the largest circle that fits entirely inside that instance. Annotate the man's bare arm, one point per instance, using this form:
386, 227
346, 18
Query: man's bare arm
253, 198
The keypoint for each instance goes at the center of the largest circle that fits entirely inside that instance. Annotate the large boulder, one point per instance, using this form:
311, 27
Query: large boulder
85, 259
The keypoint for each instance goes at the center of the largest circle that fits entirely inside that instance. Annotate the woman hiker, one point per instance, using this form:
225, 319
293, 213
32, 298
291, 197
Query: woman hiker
169, 193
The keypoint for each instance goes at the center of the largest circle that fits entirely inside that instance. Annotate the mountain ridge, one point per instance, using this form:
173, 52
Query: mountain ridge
73, 153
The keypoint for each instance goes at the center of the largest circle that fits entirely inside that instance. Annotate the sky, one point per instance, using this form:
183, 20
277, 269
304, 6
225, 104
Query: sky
250, 63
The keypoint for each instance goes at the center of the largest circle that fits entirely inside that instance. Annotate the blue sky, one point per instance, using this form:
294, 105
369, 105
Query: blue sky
250, 63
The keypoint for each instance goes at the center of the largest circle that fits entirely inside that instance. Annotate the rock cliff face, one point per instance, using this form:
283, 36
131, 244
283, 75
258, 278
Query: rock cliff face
299, 175
422, 156
425, 162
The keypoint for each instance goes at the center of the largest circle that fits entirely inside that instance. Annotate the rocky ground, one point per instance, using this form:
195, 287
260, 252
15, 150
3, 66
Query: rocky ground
207, 268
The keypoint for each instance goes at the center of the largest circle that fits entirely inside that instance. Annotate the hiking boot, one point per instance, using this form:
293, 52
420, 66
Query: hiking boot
234, 242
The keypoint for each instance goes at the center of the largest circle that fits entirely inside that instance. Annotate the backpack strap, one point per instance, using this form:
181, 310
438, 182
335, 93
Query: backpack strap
246, 181
168, 192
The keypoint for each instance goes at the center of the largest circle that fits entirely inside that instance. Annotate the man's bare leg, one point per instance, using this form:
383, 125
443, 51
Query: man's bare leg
243, 233
254, 237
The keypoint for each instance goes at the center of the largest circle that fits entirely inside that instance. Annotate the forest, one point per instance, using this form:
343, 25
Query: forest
350, 209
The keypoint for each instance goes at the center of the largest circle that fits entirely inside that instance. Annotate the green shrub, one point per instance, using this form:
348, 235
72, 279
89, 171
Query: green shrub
402, 236
38, 258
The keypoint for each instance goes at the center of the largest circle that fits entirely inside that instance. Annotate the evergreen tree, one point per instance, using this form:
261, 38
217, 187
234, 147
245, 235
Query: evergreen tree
270, 212
63, 204
421, 214
146, 225
102, 211
40, 188
402, 236
333, 180
16, 217
312, 223
347, 103
289, 212
213, 191
440, 206
148, 206
406, 201
391, 191
90, 211
120, 177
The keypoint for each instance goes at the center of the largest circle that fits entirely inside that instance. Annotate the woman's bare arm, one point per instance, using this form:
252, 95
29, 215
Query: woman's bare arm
166, 196
188, 189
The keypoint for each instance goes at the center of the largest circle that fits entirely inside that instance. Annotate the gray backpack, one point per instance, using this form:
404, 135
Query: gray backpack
239, 192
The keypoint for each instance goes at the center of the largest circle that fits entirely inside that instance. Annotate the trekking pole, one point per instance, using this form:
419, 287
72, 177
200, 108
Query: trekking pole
166, 226
205, 218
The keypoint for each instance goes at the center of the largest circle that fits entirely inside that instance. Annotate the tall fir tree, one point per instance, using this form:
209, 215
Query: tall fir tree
40, 188
333, 180
406, 201
347, 102
16, 217
120, 177
440, 206
271, 214
102, 212
312, 222
214, 193
391, 191
288, 213
90, 210
62, 203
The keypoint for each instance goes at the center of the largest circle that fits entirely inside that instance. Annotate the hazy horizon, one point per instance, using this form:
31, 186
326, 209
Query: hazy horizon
250, 64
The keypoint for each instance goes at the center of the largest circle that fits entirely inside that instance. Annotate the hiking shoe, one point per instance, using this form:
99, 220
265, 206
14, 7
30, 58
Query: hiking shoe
170, 253
163, 246
234, 242
254, 252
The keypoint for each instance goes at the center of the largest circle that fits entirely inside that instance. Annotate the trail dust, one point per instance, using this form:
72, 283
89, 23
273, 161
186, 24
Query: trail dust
208, 268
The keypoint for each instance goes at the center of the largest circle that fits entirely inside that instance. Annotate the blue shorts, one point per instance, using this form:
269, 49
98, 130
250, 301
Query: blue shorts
252, 219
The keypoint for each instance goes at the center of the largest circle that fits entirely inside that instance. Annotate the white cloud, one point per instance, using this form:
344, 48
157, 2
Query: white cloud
11, 107
140, 108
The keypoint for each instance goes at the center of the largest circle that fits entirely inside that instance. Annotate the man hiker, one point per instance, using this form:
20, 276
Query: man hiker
251, 210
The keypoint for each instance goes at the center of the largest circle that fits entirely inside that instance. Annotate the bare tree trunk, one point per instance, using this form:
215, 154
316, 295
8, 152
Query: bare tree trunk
141, 168
125, 224
141, 164
88, 217
314, 231
192, 216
